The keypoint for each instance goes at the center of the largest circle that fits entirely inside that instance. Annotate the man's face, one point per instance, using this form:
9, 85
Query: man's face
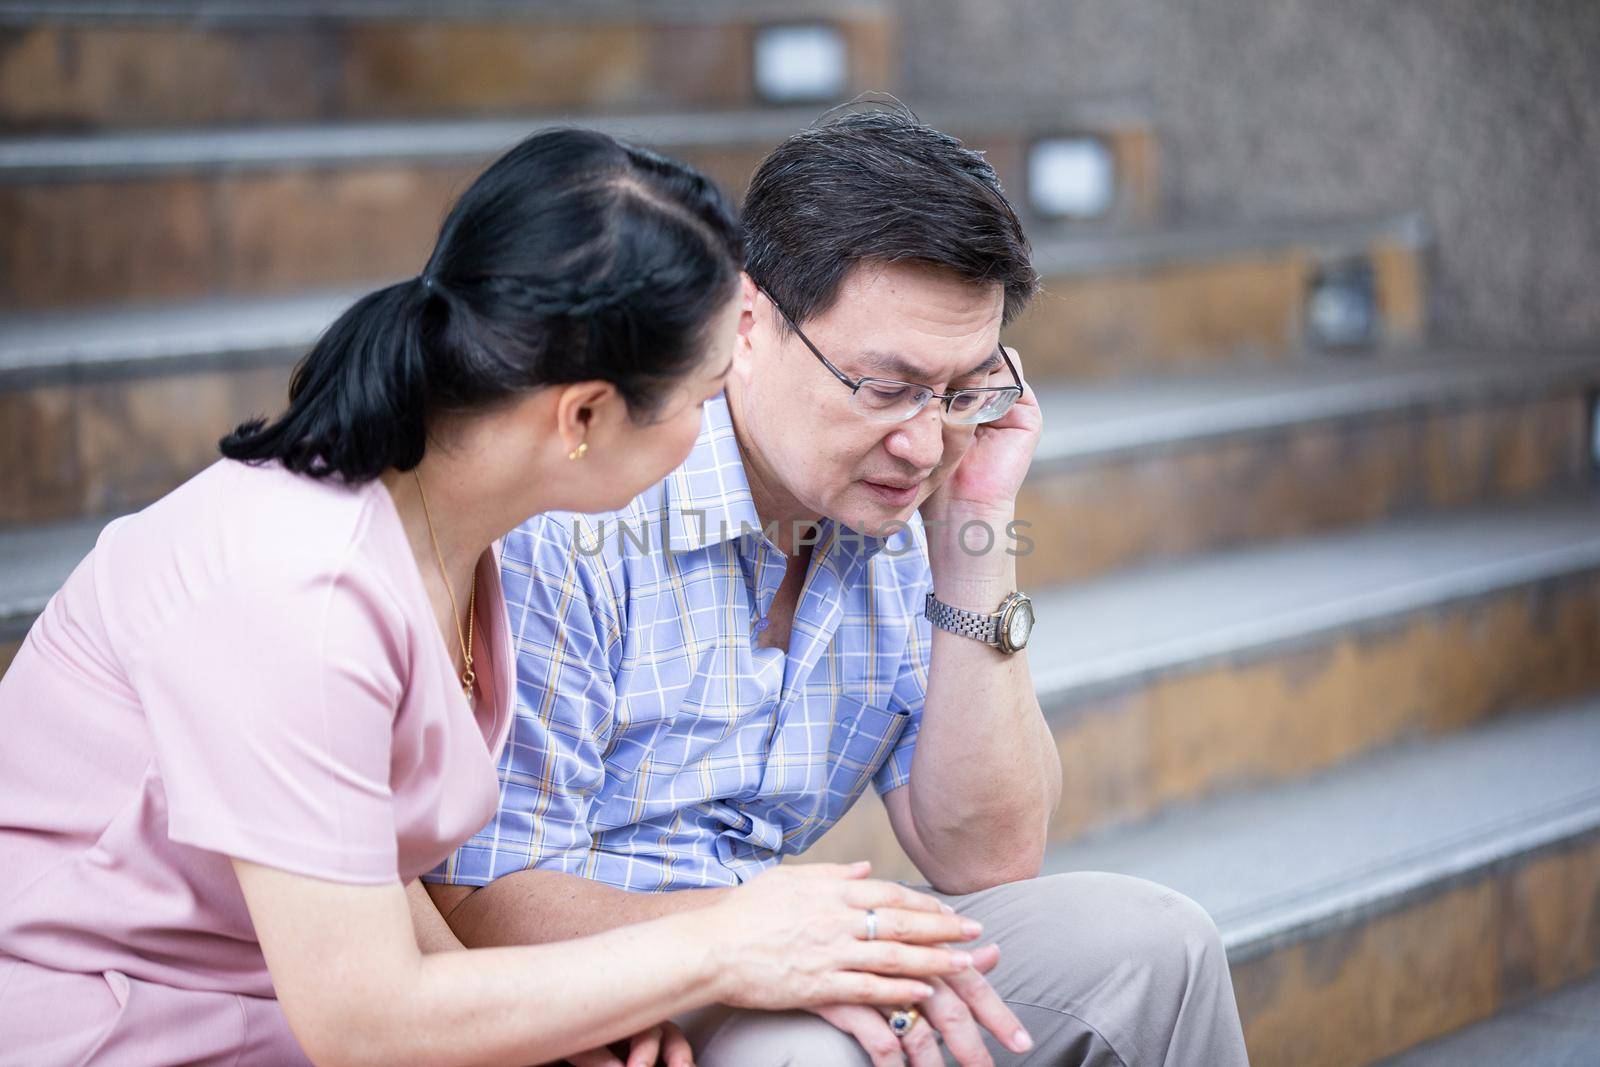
816, 455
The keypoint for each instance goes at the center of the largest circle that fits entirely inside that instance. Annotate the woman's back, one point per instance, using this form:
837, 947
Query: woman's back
248, 668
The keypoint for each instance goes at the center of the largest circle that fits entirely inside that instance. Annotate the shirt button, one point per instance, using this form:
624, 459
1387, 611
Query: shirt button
762, 625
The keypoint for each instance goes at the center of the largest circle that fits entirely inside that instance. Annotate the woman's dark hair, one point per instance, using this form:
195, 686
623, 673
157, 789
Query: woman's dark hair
574, 257
878, 185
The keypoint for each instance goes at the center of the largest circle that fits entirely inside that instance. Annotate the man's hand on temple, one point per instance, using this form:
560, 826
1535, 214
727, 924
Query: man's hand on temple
987, 479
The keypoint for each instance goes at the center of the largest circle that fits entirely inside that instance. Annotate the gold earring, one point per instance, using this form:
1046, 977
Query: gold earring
579, 452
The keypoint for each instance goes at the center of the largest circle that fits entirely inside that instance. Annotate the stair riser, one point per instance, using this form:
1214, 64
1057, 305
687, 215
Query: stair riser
1281, 715
1098, 515
8, 652
1194, 315
246, 233
114, 444
82, 240
118, 74
1383, 984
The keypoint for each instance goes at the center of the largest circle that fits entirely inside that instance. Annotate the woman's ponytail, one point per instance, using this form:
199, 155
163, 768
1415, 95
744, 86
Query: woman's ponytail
357, 402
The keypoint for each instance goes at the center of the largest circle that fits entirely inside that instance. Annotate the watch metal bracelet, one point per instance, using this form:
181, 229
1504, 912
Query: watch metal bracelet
971, 624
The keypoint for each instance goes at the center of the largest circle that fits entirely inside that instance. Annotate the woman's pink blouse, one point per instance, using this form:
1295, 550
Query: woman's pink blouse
248, 668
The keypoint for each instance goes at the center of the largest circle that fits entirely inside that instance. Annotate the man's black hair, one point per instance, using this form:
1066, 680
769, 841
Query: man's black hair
879, 185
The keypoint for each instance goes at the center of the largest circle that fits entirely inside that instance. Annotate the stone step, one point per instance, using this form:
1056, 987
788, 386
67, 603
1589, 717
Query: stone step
114, 408
1173, 683
1137, 305
101, 413
120, 218
1560, 1029
34, 561
1398, 898
109, 65
1133, 472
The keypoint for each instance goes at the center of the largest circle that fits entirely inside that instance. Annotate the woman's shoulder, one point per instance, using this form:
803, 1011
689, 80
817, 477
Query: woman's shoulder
240, 527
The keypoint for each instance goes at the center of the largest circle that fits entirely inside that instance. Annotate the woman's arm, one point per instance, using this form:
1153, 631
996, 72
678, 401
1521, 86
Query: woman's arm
356, 988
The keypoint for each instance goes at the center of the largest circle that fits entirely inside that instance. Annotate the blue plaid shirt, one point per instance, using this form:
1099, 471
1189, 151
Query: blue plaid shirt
656, 746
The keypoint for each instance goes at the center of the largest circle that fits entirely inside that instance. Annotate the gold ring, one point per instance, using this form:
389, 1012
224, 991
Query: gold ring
902, 1020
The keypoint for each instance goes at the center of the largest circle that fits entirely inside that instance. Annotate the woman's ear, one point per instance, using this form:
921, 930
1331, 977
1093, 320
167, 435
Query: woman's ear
586, 409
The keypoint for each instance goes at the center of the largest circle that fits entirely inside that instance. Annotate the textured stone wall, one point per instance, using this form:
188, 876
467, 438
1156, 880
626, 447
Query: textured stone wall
1484, 115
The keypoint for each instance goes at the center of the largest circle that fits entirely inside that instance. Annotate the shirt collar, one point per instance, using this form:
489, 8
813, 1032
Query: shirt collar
709, 500
708, 497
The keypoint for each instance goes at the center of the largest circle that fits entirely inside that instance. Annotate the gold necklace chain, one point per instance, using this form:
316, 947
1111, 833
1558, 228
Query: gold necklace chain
468, 678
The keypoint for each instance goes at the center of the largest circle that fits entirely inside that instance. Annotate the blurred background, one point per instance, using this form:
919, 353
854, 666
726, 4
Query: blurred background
1316, 536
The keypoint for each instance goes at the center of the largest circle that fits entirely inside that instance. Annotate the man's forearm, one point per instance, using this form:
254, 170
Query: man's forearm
433, 933
986, 778
534, 907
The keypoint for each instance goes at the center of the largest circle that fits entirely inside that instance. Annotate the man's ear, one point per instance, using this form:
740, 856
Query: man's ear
747, 296
747, 323
745, 349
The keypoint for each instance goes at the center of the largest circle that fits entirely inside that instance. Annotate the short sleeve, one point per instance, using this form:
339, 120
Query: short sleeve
271, 703
908, 696
566, 636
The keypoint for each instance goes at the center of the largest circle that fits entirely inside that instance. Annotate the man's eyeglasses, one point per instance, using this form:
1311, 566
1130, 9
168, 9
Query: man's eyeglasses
894, 401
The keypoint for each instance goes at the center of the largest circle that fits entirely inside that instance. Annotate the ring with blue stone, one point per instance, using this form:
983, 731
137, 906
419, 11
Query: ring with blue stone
902, 1020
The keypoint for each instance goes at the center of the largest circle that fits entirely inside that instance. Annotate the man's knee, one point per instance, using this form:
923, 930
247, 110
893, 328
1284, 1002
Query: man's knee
775, 1039
1169, 926
1063, 920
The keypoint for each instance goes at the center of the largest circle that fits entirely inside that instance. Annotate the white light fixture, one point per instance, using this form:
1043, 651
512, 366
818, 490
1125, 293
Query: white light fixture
1342, 305
1071, 178
800, 63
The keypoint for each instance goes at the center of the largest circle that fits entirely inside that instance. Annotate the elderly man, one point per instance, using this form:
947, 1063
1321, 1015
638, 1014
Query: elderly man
824, 595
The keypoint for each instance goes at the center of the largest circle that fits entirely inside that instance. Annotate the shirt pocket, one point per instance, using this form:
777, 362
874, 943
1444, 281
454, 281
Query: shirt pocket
863, 735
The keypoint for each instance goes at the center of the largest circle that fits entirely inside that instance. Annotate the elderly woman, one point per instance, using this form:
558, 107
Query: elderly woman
268, 702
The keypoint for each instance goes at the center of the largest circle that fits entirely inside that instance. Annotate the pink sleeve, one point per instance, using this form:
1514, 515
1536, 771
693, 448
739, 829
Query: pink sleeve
271, 703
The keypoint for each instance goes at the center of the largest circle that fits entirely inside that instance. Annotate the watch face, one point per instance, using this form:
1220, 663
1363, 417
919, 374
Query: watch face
1020, 625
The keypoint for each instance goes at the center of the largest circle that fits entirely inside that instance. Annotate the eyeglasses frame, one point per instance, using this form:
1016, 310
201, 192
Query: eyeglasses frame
944, 398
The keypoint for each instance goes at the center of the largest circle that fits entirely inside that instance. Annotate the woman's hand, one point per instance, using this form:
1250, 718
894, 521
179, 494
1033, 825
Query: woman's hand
664, 1044
796, 937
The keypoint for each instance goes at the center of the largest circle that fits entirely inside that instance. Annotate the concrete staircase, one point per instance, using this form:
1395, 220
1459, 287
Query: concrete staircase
1319, 632
1560, 1029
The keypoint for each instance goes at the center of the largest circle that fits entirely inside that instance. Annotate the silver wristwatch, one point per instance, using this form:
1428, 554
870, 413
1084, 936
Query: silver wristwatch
1007, 629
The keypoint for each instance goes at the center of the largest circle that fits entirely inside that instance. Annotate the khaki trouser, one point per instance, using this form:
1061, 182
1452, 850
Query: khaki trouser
1103, 970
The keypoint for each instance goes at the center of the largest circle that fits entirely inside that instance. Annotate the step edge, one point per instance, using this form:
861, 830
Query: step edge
1075, 256
1182, 426
1061, 687
1257, 931
125, 152
45, 346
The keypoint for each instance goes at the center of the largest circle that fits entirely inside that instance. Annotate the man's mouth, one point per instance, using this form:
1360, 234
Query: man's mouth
895, 494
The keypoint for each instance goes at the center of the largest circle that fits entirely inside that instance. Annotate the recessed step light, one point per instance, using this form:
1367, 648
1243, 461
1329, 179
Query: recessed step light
1341, 309
800, 63
1071, 178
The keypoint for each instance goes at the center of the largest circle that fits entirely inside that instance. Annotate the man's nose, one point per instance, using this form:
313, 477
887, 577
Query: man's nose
919, 441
